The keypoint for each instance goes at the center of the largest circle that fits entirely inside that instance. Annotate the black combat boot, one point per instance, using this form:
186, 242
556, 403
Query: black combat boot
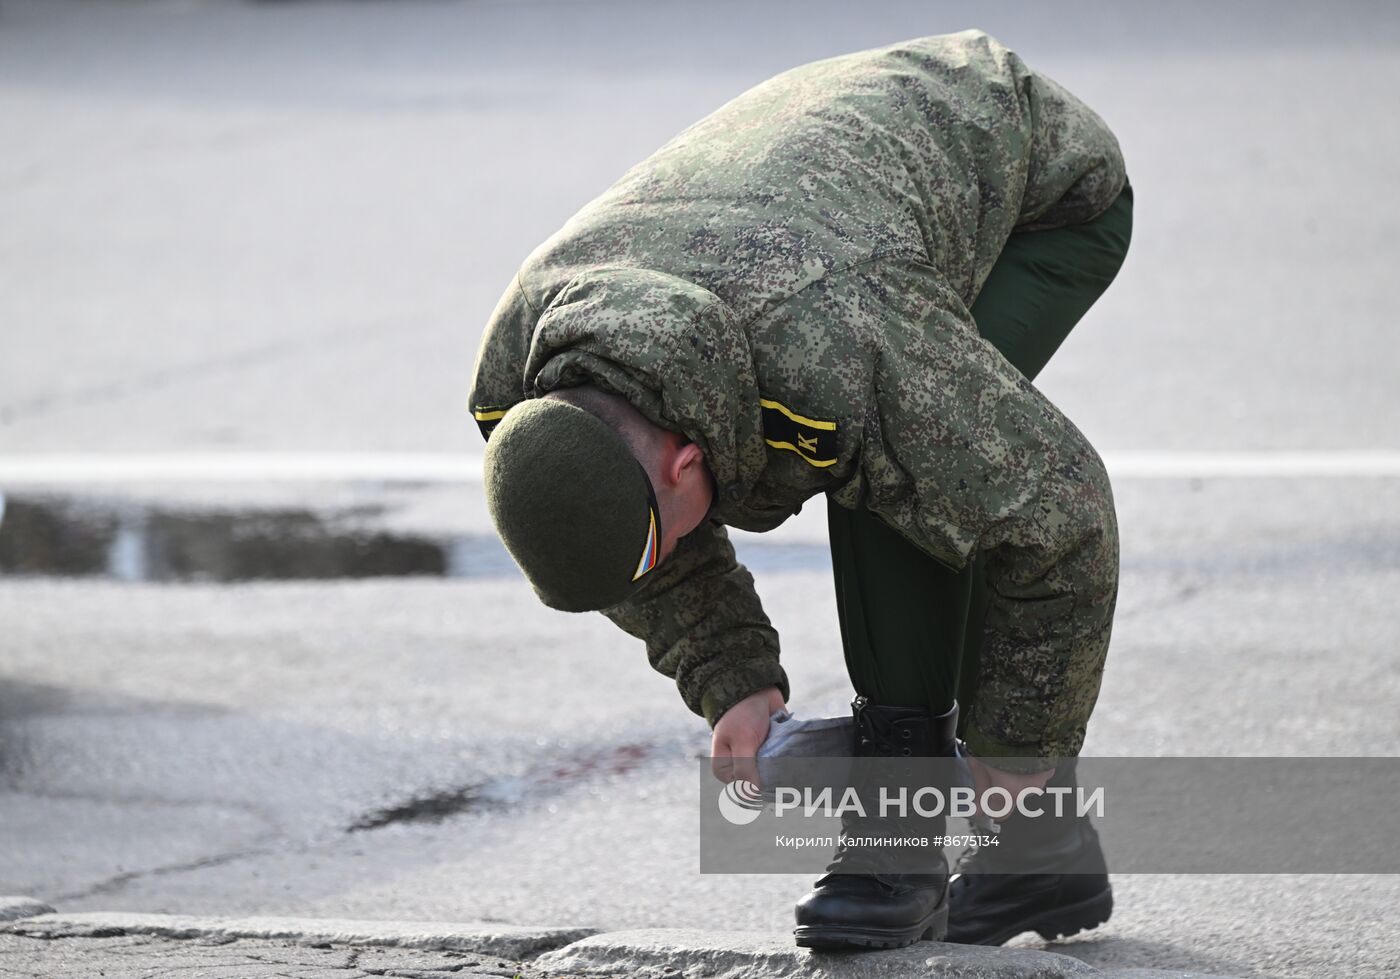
1046, 876
856, 906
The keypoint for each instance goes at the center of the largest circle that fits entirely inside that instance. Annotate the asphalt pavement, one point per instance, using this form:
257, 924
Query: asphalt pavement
248, 227
444, 749
291, 220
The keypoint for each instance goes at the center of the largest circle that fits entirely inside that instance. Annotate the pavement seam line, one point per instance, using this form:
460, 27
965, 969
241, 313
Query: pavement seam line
618, 949
519, 942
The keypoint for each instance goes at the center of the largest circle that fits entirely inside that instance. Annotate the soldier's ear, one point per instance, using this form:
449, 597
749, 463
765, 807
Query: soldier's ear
682, 461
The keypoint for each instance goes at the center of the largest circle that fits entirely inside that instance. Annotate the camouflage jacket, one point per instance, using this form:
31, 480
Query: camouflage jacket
787, 283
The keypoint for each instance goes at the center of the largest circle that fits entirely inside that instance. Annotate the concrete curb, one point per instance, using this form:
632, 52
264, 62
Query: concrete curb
13, 908
659, 953
505, 941
683, 954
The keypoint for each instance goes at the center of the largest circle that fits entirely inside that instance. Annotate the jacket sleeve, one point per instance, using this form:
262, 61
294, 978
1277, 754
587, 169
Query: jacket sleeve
983, 464
1075, 169
704, 626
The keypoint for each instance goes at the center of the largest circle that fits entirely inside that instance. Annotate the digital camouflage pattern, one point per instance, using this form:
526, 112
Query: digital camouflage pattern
807, 256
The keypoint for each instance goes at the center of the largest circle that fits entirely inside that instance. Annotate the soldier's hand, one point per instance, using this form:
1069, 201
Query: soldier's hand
984, 777
739, 734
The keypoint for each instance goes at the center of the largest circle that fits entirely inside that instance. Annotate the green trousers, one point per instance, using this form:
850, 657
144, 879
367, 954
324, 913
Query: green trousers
910, 626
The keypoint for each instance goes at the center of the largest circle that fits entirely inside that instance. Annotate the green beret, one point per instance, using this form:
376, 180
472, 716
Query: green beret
572, 504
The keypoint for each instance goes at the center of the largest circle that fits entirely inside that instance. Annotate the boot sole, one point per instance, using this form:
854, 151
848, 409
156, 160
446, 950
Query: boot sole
826, 937
1062, 922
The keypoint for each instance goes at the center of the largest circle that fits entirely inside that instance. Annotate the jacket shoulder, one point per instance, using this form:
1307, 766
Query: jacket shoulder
498, 378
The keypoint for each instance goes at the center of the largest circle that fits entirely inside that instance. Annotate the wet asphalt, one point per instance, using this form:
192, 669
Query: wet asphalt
232, 226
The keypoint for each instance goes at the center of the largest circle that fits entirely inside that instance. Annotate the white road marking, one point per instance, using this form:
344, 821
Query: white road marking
239, 467
1266, 464
396, 467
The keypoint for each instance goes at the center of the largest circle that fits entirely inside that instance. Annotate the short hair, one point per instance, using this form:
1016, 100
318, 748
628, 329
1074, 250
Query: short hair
642, 436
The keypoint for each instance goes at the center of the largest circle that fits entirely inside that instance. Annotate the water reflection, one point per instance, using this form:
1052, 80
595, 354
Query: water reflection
54, 535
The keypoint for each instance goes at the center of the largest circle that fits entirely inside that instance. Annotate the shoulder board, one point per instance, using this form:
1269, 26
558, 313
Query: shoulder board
488, 417
811, 438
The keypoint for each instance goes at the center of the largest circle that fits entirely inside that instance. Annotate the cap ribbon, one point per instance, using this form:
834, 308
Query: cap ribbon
651, 549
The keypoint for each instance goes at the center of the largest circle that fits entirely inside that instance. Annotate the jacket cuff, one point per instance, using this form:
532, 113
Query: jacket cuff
732, 684
1021, 758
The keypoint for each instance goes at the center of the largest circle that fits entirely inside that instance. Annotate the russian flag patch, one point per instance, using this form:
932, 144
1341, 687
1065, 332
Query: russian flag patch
649, 552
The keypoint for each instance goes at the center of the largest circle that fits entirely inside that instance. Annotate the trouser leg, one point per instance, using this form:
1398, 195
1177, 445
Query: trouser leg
897, 607
1040, 287
911, 627
909, 623
1047, 876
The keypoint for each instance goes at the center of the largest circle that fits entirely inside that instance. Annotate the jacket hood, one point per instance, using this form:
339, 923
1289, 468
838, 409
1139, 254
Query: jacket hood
669, 346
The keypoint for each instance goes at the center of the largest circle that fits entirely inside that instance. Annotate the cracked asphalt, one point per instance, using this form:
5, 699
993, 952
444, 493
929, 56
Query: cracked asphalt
146, 956
266, 227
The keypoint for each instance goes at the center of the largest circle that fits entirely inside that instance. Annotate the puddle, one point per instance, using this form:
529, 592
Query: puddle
55, 536
432, 808
62, 536
507, 792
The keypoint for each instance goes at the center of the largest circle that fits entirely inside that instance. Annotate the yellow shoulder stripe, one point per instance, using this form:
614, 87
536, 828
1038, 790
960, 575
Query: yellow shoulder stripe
809, 422
489, 414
